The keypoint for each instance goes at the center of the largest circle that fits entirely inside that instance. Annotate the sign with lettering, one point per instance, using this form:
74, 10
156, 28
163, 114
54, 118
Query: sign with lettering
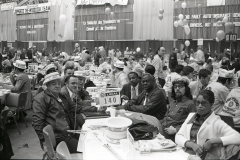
8, 6
101, 2
32, 68
92, 90
9, 45
231, 37
200, 42
42, 7
109, 98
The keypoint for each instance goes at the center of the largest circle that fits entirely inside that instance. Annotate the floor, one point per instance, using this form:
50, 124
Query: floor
26, 145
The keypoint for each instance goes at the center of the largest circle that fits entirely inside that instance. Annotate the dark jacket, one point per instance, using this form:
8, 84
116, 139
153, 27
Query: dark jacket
173, 61
155, 104
86, 104
126, 90
47, 110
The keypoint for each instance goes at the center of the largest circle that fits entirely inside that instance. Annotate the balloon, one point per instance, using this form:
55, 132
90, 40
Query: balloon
74, 3
180, 23
217, 39
187, 29
225, 19
229, 27
185, 22
138, 49
187, 43
161, 11
180, 16
160, 16
220, 35
63, 19
107, 10
184, 5
175, 24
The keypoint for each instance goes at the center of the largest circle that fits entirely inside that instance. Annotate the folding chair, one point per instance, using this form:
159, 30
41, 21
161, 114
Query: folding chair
16, 104
50, 142
64, 154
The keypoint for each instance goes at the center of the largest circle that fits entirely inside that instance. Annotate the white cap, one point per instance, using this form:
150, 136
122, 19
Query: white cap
119, 64
20, 64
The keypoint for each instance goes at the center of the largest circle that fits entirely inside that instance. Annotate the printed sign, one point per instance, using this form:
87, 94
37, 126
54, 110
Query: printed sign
32, 67
43, 7
7, 6
109, 98
102, 2
231, 37
200, 42
9, 45
92, 90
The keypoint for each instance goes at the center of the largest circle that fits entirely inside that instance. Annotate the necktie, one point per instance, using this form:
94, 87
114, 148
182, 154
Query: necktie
134, 94
146, 99
73, 96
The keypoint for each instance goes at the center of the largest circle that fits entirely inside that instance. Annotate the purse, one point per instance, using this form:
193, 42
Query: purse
143, 131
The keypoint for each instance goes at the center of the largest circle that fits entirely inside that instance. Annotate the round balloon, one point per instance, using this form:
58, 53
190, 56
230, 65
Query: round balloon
187, 29
220, 35
217, 39
138, 49
161, 11
180, 23
184, 5
63, 19
107, 10
175, 24
180, 16
187, 43
185, 22
225, 19
229, 27
160, 16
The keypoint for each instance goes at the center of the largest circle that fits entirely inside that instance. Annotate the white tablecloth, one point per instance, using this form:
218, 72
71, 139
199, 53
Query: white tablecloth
93, 149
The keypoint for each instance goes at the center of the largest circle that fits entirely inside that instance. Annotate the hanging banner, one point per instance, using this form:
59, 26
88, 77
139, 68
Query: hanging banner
8, 6
102, 2
215, 2
42, 7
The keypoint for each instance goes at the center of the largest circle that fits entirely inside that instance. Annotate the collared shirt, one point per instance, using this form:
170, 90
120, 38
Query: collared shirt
71, 94
119, 79
158, 64
136, 90
178, 112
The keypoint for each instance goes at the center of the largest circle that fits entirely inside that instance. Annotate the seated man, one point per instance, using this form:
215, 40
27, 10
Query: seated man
82, 94
68, 71
20, 81
151, 101
50, 107
133, 89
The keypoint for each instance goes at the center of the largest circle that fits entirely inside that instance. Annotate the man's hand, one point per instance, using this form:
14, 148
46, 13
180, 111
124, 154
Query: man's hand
197, 149
207, 146
171, 130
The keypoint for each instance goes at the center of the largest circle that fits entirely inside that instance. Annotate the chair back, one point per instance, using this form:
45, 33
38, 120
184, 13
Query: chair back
228, 120
22, 100
50, 140
62, 151
4, 115
12, 100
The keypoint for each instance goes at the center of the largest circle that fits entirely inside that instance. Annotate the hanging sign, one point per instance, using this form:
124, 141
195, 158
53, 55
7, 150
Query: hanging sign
8, 6
109, 98
42, 7
102, 2
231, 37
200, 42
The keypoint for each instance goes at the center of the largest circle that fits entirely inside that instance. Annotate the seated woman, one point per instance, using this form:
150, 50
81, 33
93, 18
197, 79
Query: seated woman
204, 133
178, 109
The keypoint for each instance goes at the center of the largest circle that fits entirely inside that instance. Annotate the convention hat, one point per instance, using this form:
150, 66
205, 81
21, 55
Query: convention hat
20, 64
119, 64
51, 77
81, 74
225, 73
183, 80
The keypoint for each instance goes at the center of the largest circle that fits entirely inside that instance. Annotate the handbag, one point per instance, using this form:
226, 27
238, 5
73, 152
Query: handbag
143, 131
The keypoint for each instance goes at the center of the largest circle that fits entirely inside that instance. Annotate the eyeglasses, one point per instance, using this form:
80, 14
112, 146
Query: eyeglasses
178, 86
203, 103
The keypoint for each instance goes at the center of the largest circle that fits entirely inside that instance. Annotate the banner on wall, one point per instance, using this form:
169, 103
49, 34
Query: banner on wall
8, 6
32, 30
102, 2
42, 7
215, 2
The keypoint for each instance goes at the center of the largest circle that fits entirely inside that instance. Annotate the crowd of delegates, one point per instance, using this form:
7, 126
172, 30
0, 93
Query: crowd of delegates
186, 94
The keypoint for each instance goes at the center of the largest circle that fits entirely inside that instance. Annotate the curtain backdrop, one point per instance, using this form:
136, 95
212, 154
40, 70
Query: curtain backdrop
7, 26
146, 24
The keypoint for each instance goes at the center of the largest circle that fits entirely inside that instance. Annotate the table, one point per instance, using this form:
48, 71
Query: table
93, 149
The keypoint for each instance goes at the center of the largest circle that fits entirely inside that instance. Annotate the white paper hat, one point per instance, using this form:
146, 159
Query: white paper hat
119, 64
20, 64
225, 73
51, 77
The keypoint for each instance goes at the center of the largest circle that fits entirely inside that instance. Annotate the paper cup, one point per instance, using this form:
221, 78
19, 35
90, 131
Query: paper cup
113, 112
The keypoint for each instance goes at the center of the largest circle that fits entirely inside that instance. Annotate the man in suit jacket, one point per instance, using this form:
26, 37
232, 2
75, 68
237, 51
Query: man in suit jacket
132, 89
151, 101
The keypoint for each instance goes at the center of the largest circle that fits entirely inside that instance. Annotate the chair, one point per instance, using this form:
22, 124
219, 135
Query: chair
50, 142
16, 104
228, 120
64, 154
4, 114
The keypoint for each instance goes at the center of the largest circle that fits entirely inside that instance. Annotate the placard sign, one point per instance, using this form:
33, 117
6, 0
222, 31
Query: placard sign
109, 98
200, 42
32, 67
92, 90
98, 78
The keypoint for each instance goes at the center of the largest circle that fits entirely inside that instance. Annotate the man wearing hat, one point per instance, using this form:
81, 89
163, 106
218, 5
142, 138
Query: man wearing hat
79, 63
50, 107
119, 78
82, 93
21, 82
220, 89
106, 66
